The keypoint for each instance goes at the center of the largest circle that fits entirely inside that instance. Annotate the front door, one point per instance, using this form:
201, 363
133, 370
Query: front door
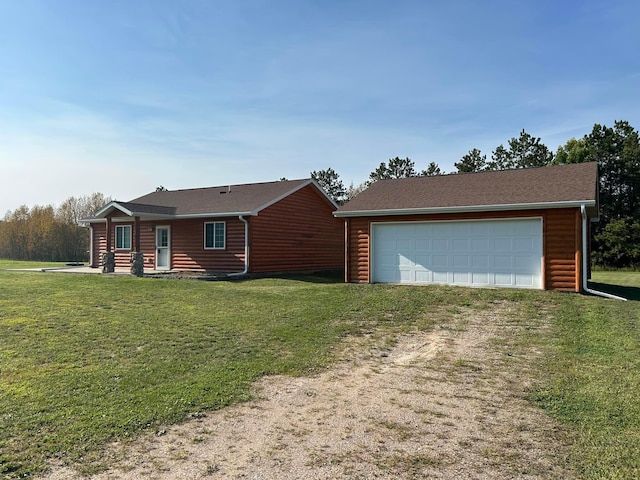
163, 248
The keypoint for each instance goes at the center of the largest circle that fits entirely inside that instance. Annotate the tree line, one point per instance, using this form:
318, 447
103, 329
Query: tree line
47, 233
54, 234
616, 237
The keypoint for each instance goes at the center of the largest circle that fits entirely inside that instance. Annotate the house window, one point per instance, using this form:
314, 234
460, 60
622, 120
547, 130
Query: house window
123, 237
214, 235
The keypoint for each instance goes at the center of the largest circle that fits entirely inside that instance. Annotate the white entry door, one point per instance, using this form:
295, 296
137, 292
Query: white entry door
490, 253
163, 248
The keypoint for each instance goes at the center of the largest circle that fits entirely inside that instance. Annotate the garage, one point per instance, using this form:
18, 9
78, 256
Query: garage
479, 253
520, 228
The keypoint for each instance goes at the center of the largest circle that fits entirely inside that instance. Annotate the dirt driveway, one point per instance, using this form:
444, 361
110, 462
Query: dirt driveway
445, 404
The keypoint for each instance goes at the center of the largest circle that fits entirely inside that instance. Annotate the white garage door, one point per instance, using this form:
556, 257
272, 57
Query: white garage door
500, 253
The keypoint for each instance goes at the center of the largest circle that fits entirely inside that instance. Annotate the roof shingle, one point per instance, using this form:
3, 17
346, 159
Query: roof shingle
221, 200
531, 186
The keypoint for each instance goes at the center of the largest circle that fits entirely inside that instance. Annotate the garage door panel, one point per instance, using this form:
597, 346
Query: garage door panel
478, 244
480, 261
423, 244
523, 280
405, 261
440, 260
439, 245
440, 277
503, 279
460, 229
460, 244
424, 276
389, 261
523, 244
406, 276
402, 244
482, 253
479, 228
423, 260
387, 244
480, 278
461, 261
523, 262
388, 275
461, 278
423, 230
503, 244
502, 261
503, 228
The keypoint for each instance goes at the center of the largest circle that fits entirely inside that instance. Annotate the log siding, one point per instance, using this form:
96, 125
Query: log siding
298, 233
99, 243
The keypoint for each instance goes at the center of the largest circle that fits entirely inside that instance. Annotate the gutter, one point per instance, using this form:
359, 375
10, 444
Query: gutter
463, 209
583, 211
246, 249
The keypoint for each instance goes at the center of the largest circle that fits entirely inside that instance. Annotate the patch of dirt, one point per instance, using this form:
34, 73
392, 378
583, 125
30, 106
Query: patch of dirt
444, 404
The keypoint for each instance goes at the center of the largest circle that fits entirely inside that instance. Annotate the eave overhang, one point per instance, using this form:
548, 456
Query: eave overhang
469, 208
145, 217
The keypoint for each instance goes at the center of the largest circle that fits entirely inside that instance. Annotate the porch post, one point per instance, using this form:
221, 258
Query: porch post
136, 227
137, 258
108, 234
108, 257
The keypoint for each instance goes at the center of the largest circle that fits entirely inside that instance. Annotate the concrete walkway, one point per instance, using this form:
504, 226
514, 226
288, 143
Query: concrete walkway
89, 270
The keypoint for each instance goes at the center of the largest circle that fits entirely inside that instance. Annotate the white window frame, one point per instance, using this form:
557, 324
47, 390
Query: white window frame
123, 246
224, 235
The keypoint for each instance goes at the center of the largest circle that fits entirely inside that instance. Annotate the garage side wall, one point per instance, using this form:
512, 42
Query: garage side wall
563, 249
561, 243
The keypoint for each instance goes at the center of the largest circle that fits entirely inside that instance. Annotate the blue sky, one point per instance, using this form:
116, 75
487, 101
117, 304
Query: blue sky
120, 97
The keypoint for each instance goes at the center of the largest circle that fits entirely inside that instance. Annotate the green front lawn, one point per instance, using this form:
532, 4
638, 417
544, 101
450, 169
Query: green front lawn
85, 359
88, 358
593, 371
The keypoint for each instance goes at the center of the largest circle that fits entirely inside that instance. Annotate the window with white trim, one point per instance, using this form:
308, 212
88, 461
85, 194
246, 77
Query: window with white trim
215, 235
123, 237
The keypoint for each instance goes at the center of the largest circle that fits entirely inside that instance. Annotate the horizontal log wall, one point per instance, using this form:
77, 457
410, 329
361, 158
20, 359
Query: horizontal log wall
99, 243
560, 248
186, 245
297, 233
358, 250
188, 252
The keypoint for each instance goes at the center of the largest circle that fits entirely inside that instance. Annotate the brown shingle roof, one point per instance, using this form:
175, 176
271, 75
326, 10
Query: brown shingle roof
149, 209
245, 199
223, 199
495, 190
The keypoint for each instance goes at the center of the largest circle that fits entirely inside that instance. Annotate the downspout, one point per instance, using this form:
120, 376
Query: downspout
583, 211
246, 249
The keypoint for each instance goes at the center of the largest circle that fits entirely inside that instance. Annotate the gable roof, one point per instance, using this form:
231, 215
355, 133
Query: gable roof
228, 200
530, 188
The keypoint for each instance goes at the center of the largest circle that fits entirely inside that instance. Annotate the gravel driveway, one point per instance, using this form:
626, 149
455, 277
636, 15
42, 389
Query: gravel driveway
445, 404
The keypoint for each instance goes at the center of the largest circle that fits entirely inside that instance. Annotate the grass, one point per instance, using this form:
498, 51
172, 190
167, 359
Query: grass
87, 359
621, 283
594, 378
